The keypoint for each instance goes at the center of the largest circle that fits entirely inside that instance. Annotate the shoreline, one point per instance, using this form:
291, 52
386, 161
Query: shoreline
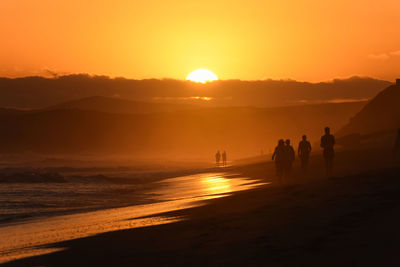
276, 226
25, 238
304, 221
121, 189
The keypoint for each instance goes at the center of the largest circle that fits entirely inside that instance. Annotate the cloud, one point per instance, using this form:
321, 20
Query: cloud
382, 56
385, 56
395, 53
50, 73
332, 101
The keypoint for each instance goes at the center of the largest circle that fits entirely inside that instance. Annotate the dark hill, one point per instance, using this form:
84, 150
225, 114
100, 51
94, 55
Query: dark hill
197, 133
118, 105
11, 111
381, 114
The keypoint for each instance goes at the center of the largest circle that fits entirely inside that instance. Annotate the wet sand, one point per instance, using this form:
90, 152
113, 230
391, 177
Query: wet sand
350, 220
27, 238
29, 193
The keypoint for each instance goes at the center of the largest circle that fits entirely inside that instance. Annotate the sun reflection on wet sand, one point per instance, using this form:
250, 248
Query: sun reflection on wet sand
217, 184
207, 185
31, 237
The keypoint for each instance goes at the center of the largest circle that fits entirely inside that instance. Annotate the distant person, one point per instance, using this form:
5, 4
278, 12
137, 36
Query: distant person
279, 157
290, 156
304, 151
327, 143
217, 158
397, 146
224, 158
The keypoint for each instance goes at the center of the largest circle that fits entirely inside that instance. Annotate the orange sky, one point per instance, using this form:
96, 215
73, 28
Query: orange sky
309, 40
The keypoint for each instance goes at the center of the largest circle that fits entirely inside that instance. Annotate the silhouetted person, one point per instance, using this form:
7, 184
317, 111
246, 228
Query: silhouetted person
397, 146
290, 156
327, 143
217, 158
280, 159
304, 151
224, 158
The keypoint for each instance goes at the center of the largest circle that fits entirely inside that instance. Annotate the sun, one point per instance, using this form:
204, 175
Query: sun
202, 76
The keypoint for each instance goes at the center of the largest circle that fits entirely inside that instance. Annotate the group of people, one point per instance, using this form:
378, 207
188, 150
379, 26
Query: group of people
218, 157
284, 157
284, 154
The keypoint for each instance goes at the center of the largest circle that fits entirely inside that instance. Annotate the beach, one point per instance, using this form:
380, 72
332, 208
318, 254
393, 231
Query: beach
200, 133
28, 227
349, 219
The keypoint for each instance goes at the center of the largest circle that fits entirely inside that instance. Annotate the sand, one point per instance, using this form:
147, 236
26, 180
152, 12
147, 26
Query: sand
351, 219
30, 237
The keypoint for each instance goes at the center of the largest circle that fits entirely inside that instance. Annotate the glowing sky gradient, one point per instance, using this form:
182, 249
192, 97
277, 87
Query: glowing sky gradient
309, 40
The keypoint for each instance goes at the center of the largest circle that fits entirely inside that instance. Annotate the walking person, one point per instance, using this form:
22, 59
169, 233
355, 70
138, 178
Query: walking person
327, 143
279, 157
304, 151
224, 158
290, 157
217, 158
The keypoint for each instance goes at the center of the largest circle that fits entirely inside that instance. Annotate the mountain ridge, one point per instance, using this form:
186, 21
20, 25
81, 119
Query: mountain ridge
119, 105
242, 131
